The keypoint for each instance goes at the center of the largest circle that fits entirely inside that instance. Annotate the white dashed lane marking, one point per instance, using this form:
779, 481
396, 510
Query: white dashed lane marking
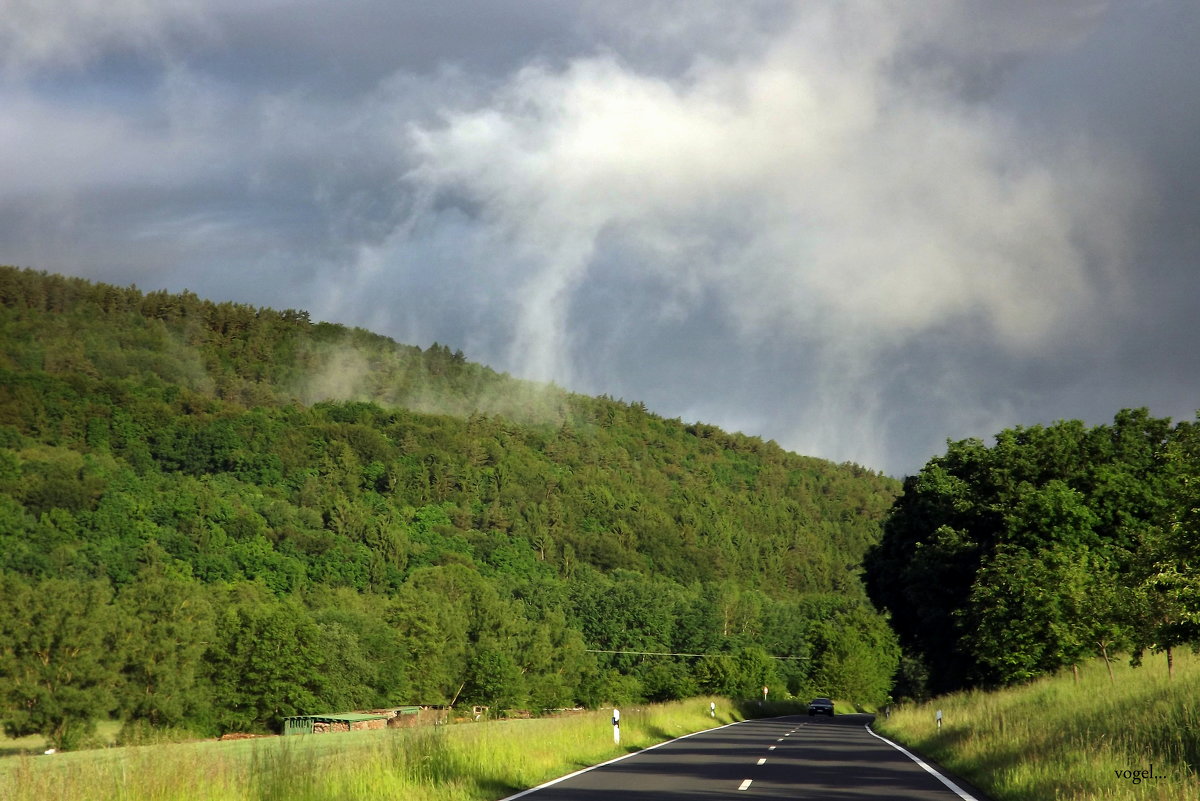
762, 761
745, 784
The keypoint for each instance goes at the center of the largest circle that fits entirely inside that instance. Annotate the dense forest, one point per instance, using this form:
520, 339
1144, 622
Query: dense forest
1052, 546
213, 516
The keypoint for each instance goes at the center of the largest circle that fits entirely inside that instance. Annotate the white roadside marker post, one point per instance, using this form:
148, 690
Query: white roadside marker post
939, 718
712, 708
616, 726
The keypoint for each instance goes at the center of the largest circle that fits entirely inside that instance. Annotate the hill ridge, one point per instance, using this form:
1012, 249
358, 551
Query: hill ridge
152, 439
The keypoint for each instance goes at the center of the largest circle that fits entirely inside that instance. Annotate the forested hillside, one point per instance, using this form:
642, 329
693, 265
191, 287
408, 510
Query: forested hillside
213, 516
1056, 544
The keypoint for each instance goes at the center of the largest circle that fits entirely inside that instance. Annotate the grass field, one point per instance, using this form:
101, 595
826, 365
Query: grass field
106, 734
1058, 739
468, 762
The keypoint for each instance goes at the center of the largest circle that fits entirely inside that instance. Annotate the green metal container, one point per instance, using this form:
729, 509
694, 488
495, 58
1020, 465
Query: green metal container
303, 724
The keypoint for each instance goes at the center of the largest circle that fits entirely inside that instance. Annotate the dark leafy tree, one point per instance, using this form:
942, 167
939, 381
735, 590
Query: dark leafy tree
1004, 563
59, 658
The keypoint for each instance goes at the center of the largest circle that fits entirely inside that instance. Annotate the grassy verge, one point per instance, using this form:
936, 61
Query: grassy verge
470, 762
1061, 739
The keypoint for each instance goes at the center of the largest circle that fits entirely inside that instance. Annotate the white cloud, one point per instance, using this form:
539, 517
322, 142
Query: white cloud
806, 184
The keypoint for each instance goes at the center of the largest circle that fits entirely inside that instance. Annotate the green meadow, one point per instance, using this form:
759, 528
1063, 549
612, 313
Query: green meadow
465, 762
1058, 738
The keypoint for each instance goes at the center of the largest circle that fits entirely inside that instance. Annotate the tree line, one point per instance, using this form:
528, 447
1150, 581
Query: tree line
213, 516
1051, 546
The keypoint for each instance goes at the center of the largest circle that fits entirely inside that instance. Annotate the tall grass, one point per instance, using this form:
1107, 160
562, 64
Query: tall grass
1061, 739
469, 762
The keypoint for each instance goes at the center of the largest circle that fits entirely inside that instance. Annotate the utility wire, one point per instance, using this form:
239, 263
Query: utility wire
670, 653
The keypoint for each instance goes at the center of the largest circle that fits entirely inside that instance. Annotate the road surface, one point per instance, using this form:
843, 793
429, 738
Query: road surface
816, 759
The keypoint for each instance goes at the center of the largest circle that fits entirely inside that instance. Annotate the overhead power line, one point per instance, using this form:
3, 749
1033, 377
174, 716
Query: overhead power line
672, 653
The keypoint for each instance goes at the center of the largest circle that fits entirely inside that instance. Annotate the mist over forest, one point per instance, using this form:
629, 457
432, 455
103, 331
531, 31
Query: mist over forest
213, 516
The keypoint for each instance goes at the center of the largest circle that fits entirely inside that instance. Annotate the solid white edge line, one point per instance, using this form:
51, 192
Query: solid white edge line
961, 793
553, 782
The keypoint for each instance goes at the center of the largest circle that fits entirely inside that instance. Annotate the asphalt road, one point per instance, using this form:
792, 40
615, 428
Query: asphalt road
799, 757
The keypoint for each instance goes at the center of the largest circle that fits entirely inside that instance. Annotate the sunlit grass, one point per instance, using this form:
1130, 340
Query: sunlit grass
1058, 739
106, 735
468, 762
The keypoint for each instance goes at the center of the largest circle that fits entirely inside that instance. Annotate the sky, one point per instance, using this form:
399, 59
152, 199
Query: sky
859, 229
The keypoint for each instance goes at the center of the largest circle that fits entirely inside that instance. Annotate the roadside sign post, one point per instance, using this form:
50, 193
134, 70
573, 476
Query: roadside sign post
712, 708
616, 726
764, 693
939, 718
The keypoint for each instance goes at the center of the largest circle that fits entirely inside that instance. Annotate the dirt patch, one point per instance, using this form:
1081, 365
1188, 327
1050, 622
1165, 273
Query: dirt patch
241, 735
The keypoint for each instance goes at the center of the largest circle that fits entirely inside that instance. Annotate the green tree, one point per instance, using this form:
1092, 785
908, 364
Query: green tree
169, 623
59, 660
1019, 622
855, 655
999, 564
1165, 575
267, 662
493, 678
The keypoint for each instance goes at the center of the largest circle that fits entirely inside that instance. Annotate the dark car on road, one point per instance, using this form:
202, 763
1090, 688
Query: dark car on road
820, 706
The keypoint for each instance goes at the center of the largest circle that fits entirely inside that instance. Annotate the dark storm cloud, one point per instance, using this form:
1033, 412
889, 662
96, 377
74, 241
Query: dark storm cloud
1132, 81
854, 228
338, 47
